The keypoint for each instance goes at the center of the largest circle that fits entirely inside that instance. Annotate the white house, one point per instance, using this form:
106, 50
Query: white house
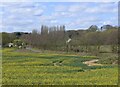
10, 44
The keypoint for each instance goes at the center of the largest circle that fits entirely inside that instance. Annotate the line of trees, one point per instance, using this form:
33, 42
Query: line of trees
55, 37
48, 38
96, 37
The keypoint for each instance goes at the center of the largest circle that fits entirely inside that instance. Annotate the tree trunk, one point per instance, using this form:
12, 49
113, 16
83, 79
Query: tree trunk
98, 47
86, 48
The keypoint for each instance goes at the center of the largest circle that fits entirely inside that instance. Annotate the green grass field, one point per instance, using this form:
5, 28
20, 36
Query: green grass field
27, 68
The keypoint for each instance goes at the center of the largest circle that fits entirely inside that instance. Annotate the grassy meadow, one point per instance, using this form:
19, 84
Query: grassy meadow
28, 68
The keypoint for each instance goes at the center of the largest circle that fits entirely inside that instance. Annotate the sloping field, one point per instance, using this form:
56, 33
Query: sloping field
27, 68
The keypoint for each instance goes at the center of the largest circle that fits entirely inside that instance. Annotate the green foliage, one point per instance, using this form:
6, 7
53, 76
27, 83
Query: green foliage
7, 38
108, 58
18, 42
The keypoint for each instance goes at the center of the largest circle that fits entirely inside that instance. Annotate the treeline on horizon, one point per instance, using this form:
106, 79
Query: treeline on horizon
55, 38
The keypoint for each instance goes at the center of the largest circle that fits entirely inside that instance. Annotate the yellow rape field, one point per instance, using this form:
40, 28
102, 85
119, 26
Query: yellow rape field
20, 68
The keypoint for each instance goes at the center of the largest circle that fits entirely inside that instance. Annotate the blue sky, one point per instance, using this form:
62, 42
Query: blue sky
26, 16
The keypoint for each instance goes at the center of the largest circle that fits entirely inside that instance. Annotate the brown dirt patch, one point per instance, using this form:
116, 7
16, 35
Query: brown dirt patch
92, 63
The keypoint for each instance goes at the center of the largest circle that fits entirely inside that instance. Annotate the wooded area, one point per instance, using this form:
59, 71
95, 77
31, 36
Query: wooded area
56, 37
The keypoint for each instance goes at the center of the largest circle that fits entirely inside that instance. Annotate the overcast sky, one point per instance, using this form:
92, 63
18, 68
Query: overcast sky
26, 16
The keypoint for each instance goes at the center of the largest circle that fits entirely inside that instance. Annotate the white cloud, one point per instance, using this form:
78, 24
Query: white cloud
16, 10
38, 12
64, 14
106, 22
60, 8
24, 8
92, 10
82, 21
76, 8
103, 8
53, 21
46, 18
